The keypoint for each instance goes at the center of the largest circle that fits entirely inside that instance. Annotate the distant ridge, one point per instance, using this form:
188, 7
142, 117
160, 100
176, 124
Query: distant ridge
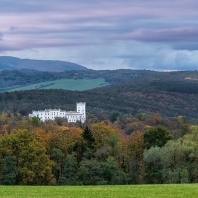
13, 63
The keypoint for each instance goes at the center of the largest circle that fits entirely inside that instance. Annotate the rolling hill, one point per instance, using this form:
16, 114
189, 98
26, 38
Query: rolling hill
170, 94
12, 63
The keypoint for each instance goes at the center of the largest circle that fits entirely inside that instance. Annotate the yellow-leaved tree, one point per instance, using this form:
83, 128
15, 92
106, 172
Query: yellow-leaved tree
33, 164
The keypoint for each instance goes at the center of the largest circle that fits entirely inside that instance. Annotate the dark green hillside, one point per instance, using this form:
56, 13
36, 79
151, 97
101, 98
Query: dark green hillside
168, 93
10, 79
165, 103
64, 99
7, 62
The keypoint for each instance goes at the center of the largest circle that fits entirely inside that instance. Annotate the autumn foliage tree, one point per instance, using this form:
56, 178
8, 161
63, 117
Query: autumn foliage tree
134, 149
33, 165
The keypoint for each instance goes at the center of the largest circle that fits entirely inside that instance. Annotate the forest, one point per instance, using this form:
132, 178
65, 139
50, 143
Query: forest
140, 129
119, 149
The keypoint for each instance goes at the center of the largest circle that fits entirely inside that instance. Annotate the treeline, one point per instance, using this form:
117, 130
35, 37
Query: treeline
129, 100
119, 150
189, 87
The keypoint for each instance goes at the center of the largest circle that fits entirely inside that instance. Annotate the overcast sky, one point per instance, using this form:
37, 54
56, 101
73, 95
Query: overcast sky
105, 34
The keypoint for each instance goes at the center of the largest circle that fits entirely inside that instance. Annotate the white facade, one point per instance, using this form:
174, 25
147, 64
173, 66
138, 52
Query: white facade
71, 116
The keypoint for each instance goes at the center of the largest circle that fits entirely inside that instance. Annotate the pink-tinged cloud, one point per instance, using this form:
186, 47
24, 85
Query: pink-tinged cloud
22, 44
187, 34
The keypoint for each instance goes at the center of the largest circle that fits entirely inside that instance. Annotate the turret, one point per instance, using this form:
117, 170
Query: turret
81, 108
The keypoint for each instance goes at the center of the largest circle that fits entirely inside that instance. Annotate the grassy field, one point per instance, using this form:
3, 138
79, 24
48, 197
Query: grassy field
132, 191
69, 84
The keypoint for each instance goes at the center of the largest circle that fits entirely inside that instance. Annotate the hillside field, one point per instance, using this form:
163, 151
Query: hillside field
67, 84
126, 191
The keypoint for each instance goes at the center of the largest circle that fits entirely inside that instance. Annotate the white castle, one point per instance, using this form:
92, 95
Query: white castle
71, 116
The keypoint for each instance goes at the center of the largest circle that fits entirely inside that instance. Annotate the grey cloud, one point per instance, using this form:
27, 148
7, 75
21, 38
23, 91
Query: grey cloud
191, 46
128, 56
13, 28
165, 60
1, 36
23, 6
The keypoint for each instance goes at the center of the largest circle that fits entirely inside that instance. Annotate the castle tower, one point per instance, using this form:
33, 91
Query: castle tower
81, 108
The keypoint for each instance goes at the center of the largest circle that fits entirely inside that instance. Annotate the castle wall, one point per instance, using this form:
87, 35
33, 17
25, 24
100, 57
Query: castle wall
71, 116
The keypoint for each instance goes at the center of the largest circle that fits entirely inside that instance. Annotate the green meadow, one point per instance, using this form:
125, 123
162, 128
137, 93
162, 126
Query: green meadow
126, 191
69, 84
